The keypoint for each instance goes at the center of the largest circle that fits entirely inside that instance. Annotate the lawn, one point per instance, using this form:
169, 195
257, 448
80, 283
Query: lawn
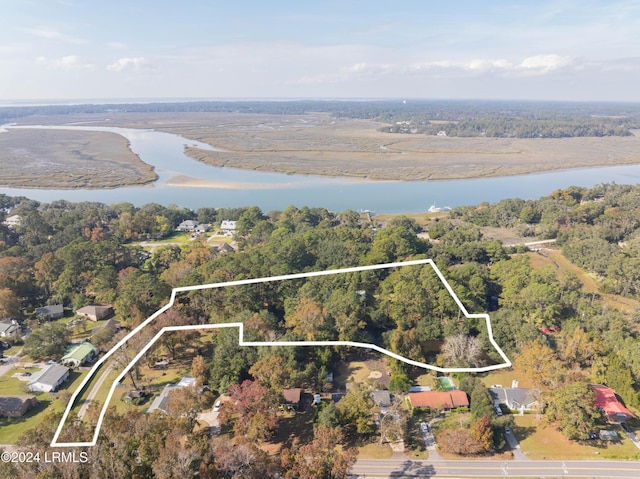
538, 440
12, 429
505, 377
375, 451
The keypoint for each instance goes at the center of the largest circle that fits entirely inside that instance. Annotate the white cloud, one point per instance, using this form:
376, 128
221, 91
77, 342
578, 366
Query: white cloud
544, 63
52, 34
67, 62
128, 63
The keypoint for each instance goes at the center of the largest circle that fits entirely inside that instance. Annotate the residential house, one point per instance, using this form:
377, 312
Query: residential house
516, 399
610, 405
49, 313
381, 398
49, 379
95, 312
228, 226
439, 400
13, 221
10, 328
16, 406
188, 225
160, 402
80, 354
291, 397
202, 228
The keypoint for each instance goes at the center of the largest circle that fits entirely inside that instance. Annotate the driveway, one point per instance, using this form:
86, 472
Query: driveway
512, 440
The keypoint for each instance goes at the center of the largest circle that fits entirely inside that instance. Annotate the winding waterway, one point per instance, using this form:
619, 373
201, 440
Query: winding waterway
235, 187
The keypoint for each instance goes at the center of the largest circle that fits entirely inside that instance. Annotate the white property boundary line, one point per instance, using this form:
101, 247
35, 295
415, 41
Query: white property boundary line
240, 326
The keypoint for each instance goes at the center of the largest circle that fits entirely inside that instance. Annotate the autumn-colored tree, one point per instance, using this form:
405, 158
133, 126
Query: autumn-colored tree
200, 370
308, 319
320, 459
273, 372
176, 459
483, 433
458, 441
539, 364
253, 407
9, 304
186, 403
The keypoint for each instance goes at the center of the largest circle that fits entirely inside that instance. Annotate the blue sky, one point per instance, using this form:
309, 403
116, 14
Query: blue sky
558, 50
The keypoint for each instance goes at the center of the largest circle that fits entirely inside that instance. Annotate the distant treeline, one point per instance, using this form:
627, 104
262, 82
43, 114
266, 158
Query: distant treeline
464, 118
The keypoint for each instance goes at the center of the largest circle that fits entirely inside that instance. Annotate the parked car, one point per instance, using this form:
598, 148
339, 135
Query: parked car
424, 426
625, 426
217, 405
507, 430
498, 410
4, 345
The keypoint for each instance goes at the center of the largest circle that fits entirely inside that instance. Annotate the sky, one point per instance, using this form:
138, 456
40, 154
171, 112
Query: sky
577, 50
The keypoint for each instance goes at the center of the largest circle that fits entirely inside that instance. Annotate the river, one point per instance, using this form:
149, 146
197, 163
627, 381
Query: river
272, 191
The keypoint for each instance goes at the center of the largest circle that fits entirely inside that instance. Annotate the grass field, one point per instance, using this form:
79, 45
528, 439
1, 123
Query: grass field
539, 440
12, 429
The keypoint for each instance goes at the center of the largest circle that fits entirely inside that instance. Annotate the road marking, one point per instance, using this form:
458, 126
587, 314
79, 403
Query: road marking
240, 326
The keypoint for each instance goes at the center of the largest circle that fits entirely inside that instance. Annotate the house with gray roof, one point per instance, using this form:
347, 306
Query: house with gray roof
10, 328
49, 313
516, 399
188, 225
160, 402
49, 379
95, 312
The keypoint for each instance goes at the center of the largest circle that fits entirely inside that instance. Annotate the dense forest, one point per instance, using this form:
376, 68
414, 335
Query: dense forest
84, 253
466, 118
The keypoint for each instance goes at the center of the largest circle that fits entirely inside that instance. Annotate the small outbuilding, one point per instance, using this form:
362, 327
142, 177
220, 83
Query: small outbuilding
291, 397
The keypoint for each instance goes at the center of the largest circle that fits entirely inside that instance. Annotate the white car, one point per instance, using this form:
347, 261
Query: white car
507, 430
216, 406
424, 426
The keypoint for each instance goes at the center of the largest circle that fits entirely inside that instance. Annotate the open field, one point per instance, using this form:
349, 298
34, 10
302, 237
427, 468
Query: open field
318, 144
63, 159
539, 440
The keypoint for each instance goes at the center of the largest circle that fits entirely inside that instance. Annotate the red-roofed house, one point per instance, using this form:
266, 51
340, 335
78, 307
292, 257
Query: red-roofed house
439, 400
608, 403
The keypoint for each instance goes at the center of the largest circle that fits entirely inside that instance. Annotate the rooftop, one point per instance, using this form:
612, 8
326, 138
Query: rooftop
439, 399
51, 375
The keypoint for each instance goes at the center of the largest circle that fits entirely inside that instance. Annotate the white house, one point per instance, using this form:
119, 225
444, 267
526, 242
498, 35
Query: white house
50, 379
188, 225
13, 221
228, 226
9, 328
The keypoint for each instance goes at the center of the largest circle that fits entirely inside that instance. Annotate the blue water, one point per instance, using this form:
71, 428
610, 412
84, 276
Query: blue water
277, 191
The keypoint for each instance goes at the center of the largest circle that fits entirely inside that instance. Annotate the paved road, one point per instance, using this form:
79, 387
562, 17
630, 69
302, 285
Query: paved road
399, 468
95, 390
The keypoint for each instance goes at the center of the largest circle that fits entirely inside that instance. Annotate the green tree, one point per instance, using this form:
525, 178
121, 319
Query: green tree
572, 409
47, 342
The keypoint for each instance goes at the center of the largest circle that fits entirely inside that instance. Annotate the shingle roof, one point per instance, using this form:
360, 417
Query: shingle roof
439, 399
51, 375
292, 396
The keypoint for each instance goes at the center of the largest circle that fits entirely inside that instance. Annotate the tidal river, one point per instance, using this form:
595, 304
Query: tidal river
203, 185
